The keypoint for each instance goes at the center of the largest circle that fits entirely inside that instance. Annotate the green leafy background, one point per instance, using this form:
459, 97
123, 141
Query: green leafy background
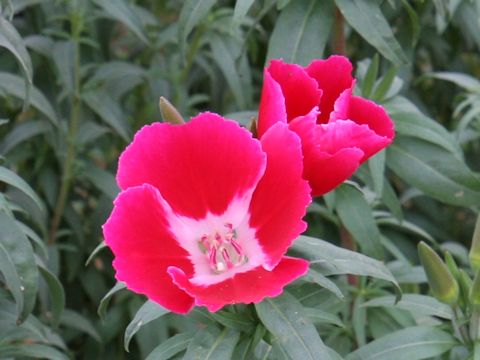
79, 77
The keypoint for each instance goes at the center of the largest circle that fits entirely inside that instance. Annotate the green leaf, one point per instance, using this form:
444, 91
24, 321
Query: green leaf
63, 55
211, 344
370, 77
414, 343
171, 347
12, 279
367, 19
21, 254
21, 132
193, 11
9, 177
95, 252
465, 81
11, 40
333, 260
323, 281
376, 166
32, 351
415, 303
15, 86
435, 171
148, 312
102, 308
74, 320
235, 321
411, 122
102, 180
356, 215
121, 11
57, 294
241, 10
101, 103
226, 62
283, 316
381, 89
301, 31
322, 317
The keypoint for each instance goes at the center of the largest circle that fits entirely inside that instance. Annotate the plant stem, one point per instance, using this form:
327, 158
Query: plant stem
339, 33
459, 327
71, 135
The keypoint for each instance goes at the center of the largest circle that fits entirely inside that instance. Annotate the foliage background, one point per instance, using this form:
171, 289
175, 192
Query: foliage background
79, 77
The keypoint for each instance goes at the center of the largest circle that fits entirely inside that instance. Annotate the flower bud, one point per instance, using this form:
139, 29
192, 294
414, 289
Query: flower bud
442, 283
169, 113
452, 265
474, 254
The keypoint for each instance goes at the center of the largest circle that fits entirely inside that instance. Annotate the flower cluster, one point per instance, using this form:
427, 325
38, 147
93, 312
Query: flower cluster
207, 212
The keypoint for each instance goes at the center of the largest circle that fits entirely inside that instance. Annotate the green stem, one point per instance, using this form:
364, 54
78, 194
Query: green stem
71, 135
460, 328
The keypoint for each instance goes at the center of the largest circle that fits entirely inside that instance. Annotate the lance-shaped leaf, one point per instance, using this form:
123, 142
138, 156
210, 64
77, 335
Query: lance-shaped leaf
474, 253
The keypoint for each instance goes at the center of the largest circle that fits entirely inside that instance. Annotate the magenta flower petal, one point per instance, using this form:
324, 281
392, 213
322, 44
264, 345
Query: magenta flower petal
327, 162
333, 76
272, 105
144, 247
282, 196
248, 287
300, 91
196, 168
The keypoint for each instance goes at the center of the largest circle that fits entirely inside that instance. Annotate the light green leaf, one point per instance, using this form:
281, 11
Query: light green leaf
322, 317
63, 55
12, 279
102, 180
95, 252
148, 312
435, 171
301, 31
212, 344
416, 303
283, 316
21, 254
15, 86
317, 278
11, 40
465, 81
31, 351
21, 132
357, 217
367, 19
239, 322
57, 294
240, 10
171, 346
376, 166
414, 343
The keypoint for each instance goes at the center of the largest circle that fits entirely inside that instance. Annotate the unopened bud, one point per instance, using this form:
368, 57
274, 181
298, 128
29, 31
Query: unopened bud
442, 283
169, 113
474, 254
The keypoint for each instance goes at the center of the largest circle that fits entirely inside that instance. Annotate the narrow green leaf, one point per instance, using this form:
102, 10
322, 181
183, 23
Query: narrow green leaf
357, 217
15, 86
241, 10
95, 252
101, 103
376, 166
414, 343
21, 254
11, 40
12, 179
148, 312
301, 31
102, 308
21, 132
212, 344
171, 346
31, 351
370, 76
63, 55
317, 278
381, 89
74, 320
333, 260
367, 19
465, 81
435, 171
57, 294
102, 180
415, 303
121, 10
12, 279
322, 317
283, 316
235, 321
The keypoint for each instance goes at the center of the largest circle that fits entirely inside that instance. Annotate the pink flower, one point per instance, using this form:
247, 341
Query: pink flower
339, 131
206, 213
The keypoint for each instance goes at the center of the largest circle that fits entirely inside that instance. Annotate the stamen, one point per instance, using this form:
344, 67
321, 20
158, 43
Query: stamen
223, 250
